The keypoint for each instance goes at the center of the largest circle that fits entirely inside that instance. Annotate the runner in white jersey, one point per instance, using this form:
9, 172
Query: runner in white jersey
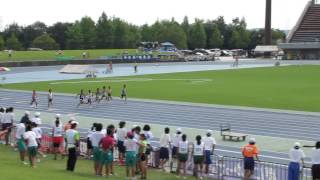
198, 156
57, 136
183, 151
50, 99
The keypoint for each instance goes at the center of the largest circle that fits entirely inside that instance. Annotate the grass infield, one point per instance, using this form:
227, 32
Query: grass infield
288, 87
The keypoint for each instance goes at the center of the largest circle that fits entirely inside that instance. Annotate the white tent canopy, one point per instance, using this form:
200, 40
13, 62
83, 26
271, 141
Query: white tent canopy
78, 69
266, 49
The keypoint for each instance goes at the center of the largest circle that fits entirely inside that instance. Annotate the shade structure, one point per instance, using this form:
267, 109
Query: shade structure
4, 69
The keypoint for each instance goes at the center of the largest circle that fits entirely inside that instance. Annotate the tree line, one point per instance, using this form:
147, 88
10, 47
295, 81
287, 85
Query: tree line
113, 32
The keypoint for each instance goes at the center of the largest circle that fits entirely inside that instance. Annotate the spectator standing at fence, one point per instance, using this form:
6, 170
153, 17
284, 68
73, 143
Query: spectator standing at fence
315, 158
20, 130
73, 139
250, 153
175, 143
131, 152
30, 137
165, 144
57, 136
209, 145
38, 131
36, 119
26, 117
89, 142
107, 145
296, 156
142, 156
148, 134
183, 150
198, 157
7, 123
121, 137
114, 136
95, 139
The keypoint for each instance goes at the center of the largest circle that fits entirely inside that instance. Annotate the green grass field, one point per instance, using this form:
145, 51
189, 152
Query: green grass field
48, 169
288, 87
51, 55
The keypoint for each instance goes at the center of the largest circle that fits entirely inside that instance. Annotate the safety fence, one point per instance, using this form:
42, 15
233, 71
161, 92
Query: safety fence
223, 167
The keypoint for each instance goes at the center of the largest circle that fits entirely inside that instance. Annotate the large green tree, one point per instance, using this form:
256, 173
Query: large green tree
32, 31
197, 37
45, 42
104, 32
88, 32
74, 37
216, 38
2, 44
58, 32
13, 43
120, 33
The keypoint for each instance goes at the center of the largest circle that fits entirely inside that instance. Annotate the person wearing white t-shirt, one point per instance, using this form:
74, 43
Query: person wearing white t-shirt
121, 137
148, 135
165, 144
20, 130
175, 143
198, 156
30, 137
38, 131
315, 158
89, 143
131, 146
296, 156
36, 119
57, 136
183, 150
7, 123
209, 145
95, 139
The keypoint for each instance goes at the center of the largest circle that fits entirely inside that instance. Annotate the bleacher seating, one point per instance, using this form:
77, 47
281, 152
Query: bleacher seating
308, 30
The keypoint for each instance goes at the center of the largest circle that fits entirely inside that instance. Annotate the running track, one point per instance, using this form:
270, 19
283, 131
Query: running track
274, 124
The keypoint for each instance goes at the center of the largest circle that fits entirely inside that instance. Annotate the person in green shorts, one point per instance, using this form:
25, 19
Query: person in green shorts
198, 156
131, 147
30, 137
183, 150
107, 144
95, 139
20, 130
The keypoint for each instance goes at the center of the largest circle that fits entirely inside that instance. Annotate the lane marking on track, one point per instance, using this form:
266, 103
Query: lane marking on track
22, 102
133, 80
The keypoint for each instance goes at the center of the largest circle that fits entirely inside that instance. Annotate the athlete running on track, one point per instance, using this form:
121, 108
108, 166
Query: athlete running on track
124, 93
81, 97
34, 99
109, 93
50, 99
98, 95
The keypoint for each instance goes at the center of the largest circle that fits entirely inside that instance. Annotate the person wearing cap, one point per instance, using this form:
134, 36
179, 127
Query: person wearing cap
72, 139
165, 144
25, 117
36, 119
38, 131
296, 156
315, 159
131, 146
57, 136
250, 153
175, 143
209, 145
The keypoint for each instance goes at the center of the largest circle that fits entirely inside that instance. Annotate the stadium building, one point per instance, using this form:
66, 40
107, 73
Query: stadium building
303, 41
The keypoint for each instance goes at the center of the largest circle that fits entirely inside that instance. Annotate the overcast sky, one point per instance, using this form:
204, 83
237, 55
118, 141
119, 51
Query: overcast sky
24, 12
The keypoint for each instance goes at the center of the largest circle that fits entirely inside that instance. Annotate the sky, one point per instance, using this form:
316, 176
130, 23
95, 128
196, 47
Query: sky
25, 12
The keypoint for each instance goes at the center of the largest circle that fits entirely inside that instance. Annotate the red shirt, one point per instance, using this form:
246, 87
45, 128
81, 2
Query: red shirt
107, 143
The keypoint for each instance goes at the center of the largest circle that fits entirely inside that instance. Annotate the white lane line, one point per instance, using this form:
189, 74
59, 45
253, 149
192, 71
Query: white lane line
22, 102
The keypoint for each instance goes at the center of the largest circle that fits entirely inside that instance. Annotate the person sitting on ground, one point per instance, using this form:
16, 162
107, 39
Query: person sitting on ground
250, 153
296, 156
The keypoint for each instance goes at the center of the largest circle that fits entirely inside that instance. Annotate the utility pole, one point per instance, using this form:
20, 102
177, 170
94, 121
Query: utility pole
267, 29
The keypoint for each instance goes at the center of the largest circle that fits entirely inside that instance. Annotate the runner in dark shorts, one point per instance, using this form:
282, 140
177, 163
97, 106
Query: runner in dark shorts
34, 99
124, 92
81, 98
109, 91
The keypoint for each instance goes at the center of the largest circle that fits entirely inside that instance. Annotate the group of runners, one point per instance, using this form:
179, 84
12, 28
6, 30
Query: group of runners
84, 98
